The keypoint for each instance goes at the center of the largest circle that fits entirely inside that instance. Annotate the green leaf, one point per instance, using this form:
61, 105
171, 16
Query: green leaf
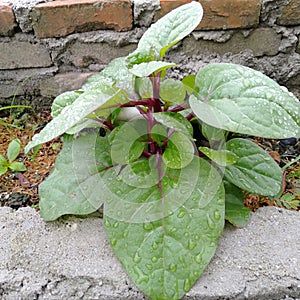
3, 169
174, 121
238, 99
143, 87
13, 150
179, 152
3, 161
189, 83
62, 101
147, 68
235, 211
17, 166
61, 193
213, 134
166, 32
165, 257
125, 144
222, 157
172, 91
92, 100
255, 170
116, 71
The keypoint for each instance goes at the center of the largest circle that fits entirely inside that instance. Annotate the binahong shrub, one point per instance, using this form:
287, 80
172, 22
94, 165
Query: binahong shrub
169, 159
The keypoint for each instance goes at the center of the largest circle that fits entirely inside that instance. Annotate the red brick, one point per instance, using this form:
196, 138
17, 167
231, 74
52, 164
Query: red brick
290, 14
63, 17
7, 20
220, 14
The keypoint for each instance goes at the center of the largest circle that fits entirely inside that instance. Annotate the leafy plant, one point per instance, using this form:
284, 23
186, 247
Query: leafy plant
13, 152
159, 153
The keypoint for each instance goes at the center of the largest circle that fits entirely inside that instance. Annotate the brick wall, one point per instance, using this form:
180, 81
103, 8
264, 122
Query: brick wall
47, 48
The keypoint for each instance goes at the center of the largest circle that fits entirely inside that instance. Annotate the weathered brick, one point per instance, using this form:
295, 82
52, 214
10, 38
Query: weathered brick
220, 14
15, 55
290, 14
7, 20
60, 18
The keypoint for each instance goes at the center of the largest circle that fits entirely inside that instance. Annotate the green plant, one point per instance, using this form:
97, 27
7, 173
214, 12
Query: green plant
159, 153
13, 152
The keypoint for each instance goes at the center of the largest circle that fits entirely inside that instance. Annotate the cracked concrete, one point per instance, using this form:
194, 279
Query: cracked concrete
71, 259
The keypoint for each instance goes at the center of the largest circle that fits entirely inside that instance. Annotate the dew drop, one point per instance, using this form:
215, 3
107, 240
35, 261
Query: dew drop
154, 246
116, 225
148, 226
107, 223
210, 223
181, 214
191, 244
137, 258
187, 285
154, 259
149, 267
198, 258
172, 267
217, 215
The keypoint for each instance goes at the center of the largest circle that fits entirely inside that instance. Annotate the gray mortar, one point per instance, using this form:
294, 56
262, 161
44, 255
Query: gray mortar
72, 259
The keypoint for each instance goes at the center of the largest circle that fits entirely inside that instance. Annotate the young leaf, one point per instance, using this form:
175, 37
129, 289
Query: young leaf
174, 121
147, 68
238, 99
3, 170
17, 166
13, 150
222, 157
235, 211
172, 91
3, 161
165, 257
179, 152
125, 145
166, 32
90, 101
255, 170
189, 83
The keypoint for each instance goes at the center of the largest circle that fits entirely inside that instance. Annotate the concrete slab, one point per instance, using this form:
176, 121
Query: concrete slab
71, 259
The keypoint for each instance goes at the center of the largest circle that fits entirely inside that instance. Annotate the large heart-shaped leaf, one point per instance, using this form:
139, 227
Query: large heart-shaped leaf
94, 99
166, 32
60, 193
255, 170
166, 256
239, 99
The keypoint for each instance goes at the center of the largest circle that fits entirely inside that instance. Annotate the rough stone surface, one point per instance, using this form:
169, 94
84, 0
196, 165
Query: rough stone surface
55, 85
144, 11
83, 55
220, 14
16, 54
290, 14
261, 41
7, 20
71, 259
60, 18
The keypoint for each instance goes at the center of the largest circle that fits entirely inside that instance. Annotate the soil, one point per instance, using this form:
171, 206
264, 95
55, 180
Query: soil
21, 189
